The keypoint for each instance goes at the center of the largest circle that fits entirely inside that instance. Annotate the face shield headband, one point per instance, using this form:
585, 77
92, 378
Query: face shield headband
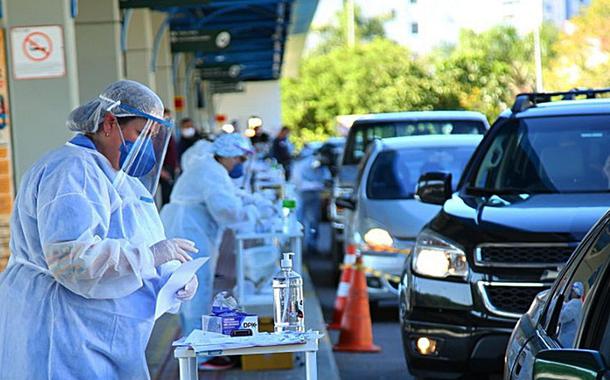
142, 158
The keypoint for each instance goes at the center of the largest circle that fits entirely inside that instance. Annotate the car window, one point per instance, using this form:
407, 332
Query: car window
568, 154
361, 166
360, 141
569, 304
363, 136
364, 133
394, 173
596, 335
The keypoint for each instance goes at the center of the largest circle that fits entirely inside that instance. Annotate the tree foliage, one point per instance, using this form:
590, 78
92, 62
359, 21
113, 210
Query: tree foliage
379, 76
482, 72
366, 29
486, 70
583, 51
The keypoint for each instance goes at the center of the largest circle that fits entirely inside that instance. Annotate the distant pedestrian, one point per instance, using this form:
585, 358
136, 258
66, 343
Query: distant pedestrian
188, 135
260, 136
281, 150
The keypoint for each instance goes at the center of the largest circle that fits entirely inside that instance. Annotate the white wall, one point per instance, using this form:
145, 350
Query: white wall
259, 98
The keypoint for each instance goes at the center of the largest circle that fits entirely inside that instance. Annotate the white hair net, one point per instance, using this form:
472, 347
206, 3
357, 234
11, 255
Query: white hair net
231, 145
131, 94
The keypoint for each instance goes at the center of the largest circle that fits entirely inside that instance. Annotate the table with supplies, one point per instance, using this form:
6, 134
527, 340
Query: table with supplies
263, 343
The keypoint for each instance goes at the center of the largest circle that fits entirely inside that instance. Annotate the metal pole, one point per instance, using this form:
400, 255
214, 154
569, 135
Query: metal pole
351, 27
538, 51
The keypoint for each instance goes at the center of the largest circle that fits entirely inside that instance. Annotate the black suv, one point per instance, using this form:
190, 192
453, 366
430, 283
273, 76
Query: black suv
533, 188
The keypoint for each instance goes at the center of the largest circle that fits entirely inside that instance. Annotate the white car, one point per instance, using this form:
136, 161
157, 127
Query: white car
385, 217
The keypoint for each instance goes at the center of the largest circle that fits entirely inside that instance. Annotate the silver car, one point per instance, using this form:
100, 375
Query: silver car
367, 128
385, 218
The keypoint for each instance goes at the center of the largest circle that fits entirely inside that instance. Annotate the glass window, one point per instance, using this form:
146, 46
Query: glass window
394, 173
365, 133
550, 155
414, 28
568, 304
604, 348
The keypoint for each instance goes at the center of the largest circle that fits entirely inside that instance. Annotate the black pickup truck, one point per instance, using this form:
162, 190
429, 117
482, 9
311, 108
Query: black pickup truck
537, 183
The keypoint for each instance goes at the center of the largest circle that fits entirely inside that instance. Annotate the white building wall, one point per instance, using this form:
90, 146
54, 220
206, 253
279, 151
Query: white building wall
259, 98
440, 21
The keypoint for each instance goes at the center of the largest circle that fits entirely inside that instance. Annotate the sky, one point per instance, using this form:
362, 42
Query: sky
439, 20
327, 9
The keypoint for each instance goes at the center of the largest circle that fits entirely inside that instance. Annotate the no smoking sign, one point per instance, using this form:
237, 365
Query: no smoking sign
37, 46
38, 52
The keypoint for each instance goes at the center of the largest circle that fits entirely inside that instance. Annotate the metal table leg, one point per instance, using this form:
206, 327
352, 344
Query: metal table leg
311, 365
188, 368
240, 270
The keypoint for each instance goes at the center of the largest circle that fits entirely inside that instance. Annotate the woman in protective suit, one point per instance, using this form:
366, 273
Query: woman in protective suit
203, 203
89, 254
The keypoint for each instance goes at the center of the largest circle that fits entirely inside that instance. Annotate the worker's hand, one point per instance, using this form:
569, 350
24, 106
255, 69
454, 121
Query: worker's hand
188, 292
266, 211
252, 213
173, 249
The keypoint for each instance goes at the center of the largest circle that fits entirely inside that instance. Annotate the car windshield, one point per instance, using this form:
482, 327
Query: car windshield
394, 173
365, 133
568, 154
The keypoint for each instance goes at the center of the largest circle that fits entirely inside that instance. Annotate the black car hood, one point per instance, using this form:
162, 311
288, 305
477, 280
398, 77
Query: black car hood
498, 217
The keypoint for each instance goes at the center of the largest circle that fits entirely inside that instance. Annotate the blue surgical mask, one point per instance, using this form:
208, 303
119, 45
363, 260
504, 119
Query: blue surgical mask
237, 171
144, 161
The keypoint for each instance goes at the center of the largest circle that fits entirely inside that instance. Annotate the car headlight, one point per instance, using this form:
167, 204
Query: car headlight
378, 238
435, 257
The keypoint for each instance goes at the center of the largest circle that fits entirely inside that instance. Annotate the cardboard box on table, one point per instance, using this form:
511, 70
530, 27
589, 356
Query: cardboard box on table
266, 361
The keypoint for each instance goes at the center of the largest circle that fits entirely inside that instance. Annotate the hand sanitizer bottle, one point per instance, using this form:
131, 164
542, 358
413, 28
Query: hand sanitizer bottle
288, 313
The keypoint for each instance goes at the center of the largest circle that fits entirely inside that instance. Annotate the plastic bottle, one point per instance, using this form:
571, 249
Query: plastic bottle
288, 313
291, 224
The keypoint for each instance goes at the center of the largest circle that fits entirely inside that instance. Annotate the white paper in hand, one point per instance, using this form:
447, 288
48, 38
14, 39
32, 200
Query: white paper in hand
166, 299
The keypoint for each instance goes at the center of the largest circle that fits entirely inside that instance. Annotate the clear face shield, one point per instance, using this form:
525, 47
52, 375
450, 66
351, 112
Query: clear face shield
143, 158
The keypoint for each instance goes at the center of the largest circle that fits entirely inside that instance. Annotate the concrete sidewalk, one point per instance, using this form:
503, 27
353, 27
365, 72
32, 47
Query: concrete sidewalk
163, 366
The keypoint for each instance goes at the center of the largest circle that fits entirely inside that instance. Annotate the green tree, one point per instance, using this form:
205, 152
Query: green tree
583, 51
486, 70
380, 76
367, 28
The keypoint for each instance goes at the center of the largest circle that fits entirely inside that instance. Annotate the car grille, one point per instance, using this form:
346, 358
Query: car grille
523, 255
509, 299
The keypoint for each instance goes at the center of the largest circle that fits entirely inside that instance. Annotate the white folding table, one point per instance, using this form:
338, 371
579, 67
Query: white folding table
187, 357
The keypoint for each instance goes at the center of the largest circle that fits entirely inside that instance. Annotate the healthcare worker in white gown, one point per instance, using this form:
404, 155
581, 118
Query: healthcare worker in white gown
203, 203
89, 253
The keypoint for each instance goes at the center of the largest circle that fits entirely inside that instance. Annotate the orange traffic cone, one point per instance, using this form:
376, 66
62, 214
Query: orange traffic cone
343, 289
356, 328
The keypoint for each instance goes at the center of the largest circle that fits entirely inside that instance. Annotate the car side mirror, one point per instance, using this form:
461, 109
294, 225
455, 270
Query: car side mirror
346, 203
434, 188
574, 364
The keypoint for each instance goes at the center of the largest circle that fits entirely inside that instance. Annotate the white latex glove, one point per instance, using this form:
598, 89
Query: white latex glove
246, 197
266, 211
188, 292
252, 213
173, 249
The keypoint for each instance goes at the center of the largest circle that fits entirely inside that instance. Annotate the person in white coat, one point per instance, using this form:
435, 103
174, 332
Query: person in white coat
203, 203
89, 254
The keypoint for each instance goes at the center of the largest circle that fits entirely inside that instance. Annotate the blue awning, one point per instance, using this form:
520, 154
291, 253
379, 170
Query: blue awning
257, 29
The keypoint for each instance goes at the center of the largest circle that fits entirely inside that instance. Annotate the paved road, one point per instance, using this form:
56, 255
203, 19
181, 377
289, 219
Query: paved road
390, 363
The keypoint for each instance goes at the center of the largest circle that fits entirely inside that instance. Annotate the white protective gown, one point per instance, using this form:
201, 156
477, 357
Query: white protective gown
77, 299
202, 204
